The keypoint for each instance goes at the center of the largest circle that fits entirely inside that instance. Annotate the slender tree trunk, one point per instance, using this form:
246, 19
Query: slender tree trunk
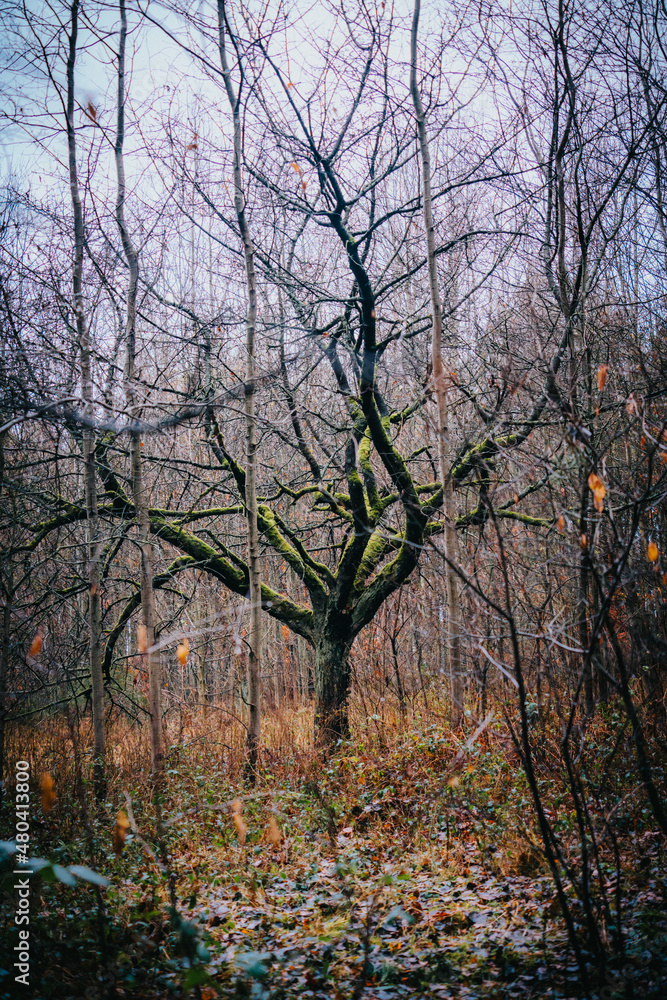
150, 657
255, 594
92, 517
448, 500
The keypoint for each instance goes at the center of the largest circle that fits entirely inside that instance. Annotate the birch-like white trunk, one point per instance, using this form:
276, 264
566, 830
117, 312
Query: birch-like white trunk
92, 516
150, 658
255, 593
440, 392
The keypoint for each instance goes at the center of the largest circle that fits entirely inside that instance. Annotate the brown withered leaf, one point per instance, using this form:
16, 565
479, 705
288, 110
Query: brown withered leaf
120, 832
274, 833
652, 552
142, 638
602, 377
183, 651
241, 828
49, 796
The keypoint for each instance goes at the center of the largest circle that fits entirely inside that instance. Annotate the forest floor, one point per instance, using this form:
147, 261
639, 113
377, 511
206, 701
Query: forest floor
402, 868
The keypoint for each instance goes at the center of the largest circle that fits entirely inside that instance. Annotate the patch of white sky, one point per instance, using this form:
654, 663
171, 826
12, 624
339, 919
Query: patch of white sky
174, 94
167, 84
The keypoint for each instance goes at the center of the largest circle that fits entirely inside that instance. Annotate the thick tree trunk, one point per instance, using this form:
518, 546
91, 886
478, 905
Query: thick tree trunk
92, 517
332, 688
448, 499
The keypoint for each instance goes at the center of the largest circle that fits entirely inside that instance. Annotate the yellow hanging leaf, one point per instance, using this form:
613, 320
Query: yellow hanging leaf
48, 794
652, 552
120, 832
183, 651
599, 491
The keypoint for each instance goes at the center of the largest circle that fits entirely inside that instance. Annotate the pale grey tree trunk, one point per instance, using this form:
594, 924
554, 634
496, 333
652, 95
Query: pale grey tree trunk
440, 392
92, 517
255, 594
150, 658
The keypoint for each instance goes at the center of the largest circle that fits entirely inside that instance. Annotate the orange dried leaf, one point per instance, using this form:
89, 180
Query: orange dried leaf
602, 377
120, 832
596, 484
583, 541
36, 646
652, 552
599, 491
561, 523
48, 794
183, 651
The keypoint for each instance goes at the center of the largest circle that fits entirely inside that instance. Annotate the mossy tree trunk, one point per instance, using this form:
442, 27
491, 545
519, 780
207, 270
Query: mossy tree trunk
332, 681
